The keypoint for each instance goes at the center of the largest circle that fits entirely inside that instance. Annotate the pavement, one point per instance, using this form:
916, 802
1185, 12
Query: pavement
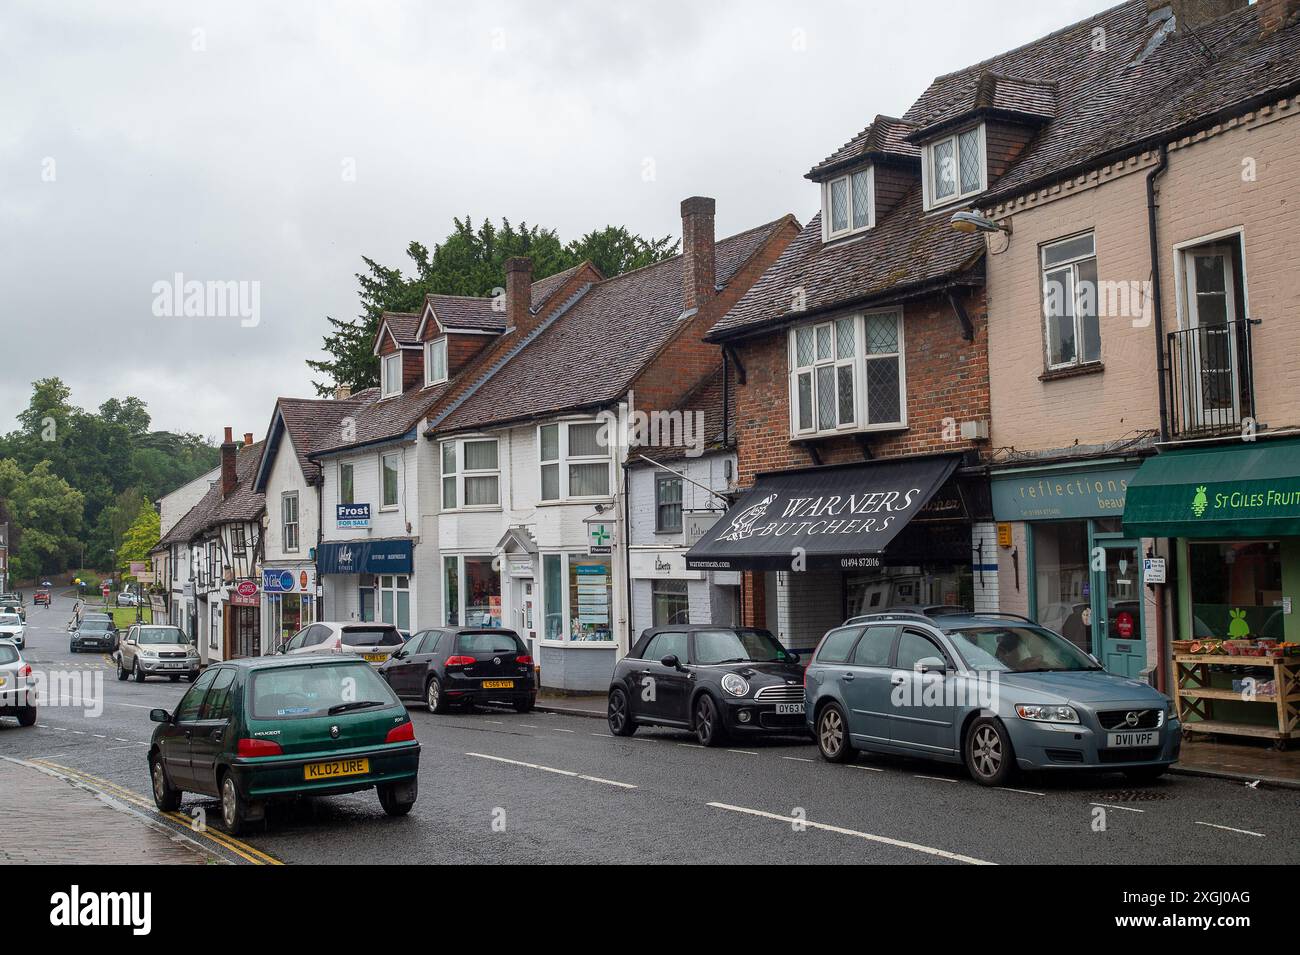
501, 787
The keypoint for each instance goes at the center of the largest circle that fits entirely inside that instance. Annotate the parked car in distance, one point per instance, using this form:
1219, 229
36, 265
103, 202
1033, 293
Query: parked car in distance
463, 666
156, 650
97, 632
997, 693
267, 728
715, 681
128, 598
16, 683
12, 628
374, 642
14, 607
41, 597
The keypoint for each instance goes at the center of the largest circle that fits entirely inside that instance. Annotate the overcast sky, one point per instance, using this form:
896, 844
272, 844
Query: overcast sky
276, 143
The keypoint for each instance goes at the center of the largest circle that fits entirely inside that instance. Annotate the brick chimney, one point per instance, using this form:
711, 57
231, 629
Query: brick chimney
519, 294
248, 439
1274, 14
342, 392
229, 450
698, 279
1195, 14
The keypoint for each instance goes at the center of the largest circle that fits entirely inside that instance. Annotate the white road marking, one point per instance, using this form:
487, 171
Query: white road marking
938, 779
691, 745
493, 722
870, 769
870, 837
1108, 805
742, 752
1023, 792
529, 726
606, 735
558, 730
798, 759
1244, 832
552, 769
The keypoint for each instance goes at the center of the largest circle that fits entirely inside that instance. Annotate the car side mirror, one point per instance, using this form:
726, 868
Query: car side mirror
792, 656
931, 665
160, 716
399, 654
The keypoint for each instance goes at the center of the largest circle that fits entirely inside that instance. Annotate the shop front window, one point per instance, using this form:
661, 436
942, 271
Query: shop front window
482, 593
395, 600
671, 602
451, 590
590, 598
553, 595
902, 587
1236, 589
1062, 580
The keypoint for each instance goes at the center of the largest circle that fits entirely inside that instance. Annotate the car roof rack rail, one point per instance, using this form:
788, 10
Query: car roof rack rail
887, 615
1003, 613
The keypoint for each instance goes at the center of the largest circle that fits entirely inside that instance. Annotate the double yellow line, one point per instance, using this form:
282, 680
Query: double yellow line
229, 843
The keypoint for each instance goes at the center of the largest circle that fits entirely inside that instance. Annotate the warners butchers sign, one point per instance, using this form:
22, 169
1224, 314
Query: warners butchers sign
831, 515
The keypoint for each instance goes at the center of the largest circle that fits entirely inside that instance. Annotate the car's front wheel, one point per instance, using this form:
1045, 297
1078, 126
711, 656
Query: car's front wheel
165, 797
708, 722
234, 811
833, 735
988, 754
619, 715
121, 670
139, 673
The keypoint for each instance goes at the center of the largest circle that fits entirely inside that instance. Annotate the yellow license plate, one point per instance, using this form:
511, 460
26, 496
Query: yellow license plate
3, 680
375, 657
315, 772
498, 684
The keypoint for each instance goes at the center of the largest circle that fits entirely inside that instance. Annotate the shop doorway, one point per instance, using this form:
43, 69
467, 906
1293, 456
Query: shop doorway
1117, 625
525, 612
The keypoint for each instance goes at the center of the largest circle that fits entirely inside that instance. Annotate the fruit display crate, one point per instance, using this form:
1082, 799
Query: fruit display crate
1194, 696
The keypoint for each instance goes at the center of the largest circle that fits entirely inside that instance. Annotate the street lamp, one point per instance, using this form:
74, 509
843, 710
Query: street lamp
967, 221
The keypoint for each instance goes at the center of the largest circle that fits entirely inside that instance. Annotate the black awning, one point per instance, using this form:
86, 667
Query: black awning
841, 516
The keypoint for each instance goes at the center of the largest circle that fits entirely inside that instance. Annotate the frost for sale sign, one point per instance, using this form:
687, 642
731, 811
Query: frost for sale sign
352, 515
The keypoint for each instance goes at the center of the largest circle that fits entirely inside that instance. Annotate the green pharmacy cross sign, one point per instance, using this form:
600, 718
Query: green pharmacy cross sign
600, 538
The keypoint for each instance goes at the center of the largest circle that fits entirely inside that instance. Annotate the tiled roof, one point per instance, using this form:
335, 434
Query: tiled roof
545, 289
706, 399
243, 504
1122, 97
384, 419
314, 423
466, 311
403, 325
905, 250
885, 137
592, 352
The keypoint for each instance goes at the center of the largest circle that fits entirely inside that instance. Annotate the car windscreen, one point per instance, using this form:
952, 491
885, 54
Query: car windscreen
1018, 649
321, 689
96, 625
489, 642
8, 653
737, 646
371, 637
164, 635
10, 620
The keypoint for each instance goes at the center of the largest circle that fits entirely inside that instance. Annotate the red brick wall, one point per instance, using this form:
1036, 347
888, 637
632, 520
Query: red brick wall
947, 377
753, 599
462, 349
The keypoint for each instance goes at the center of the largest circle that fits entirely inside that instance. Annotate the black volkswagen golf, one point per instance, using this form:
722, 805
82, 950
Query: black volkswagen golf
463, 665
716, 681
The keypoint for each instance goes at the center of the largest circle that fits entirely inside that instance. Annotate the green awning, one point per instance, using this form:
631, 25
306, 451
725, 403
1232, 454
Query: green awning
1250, 489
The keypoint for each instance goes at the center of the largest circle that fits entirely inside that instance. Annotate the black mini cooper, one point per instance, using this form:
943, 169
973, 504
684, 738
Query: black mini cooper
716, 681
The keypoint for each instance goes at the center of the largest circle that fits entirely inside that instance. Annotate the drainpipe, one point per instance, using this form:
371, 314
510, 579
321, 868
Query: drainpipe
1162, 637
627, 551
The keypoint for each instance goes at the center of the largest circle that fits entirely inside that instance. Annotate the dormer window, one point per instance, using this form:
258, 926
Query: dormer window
391, 374
955, 167
435, 361
848, 204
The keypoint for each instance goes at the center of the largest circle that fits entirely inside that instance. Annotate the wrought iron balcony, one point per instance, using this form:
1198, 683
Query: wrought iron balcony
1211, 378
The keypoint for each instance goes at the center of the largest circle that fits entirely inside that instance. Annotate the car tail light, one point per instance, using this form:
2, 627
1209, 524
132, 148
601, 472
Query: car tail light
26, 670
459, 661
401, 734
258, 747
526, 660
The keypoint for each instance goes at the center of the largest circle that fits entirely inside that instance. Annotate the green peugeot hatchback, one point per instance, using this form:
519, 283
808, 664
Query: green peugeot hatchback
264, 728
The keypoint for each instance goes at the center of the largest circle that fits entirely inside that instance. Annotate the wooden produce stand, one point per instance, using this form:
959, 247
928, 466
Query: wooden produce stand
1194, 696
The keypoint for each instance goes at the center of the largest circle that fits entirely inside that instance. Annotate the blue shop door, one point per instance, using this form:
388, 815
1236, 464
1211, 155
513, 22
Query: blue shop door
1117, 631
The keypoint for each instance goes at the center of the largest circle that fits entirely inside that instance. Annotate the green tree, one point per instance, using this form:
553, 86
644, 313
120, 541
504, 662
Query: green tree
140, 537
470, 261
49, 511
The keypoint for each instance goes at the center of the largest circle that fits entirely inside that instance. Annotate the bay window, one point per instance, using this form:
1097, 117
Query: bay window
1069, 273
954, 167
435, 361
390, 373
847, 374
471, 474
848, 203
574, 461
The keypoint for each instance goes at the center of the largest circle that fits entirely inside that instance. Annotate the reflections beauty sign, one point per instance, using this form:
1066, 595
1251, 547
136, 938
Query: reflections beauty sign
821, 517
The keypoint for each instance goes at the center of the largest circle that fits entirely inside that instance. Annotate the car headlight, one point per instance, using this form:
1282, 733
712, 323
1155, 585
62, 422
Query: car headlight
735, 684
1047, 713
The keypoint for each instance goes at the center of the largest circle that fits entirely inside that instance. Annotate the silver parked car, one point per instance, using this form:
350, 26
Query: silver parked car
16, 685
156, 650
373, 641
13, 628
